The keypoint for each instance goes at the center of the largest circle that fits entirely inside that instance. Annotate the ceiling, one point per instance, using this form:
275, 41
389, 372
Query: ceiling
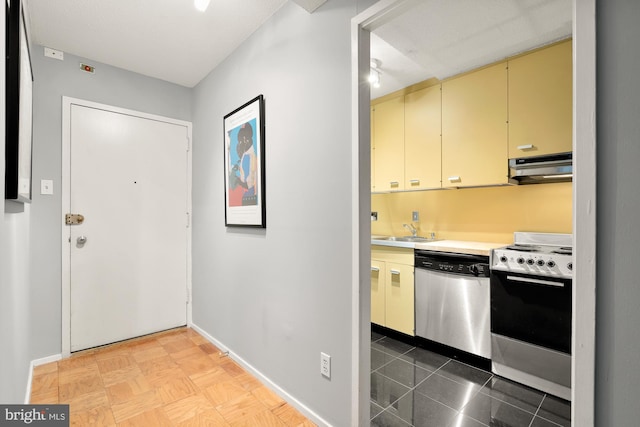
165, 39
172, 41
438, 38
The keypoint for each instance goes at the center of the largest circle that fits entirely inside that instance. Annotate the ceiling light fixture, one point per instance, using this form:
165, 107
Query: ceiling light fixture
201, 5
374, 73
374, 78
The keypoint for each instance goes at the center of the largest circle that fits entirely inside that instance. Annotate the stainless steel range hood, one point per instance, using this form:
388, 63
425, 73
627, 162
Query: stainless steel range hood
541, 169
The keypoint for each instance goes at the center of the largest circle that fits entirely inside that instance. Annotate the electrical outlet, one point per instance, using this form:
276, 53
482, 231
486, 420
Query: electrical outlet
415, 216
325, 365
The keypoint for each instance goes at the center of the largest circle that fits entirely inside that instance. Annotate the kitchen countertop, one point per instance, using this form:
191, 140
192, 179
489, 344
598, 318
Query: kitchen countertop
457, 246
460, 246
380, 241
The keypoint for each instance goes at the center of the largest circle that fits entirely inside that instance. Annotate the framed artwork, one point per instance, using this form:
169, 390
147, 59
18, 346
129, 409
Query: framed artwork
244, 189
18, 120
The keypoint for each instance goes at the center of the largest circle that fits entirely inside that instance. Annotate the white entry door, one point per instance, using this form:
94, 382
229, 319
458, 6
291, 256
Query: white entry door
128, 257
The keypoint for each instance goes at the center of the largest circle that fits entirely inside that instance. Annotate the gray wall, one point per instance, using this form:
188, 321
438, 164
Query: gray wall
14, 278
14, 298
288, 298
278, 297
618, 278
109, 85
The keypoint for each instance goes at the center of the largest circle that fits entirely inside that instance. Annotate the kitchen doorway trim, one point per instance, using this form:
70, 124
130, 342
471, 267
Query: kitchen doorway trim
584, 206
67, 102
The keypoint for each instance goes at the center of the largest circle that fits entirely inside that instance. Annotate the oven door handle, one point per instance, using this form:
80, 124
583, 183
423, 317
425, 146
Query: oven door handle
535, 281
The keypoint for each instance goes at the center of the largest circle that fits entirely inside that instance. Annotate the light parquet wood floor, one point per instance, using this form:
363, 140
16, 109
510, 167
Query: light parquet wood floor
173, 378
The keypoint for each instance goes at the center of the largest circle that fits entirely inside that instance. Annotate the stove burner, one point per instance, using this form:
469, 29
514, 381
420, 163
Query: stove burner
566, 250
523, 248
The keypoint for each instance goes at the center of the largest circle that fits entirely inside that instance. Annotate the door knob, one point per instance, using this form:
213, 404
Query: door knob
81, 240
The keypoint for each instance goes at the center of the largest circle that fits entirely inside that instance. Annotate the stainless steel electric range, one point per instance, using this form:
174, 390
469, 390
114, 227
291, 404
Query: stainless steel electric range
531, 293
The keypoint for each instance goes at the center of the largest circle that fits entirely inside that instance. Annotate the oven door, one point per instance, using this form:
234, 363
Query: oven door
533, 309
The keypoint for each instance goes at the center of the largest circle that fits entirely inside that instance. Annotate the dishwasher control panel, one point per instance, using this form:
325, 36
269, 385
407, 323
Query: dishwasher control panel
463, 264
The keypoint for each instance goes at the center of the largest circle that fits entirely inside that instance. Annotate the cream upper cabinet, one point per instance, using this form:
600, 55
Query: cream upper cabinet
373, 157
388, 145
540, 102
422, 143
474, 128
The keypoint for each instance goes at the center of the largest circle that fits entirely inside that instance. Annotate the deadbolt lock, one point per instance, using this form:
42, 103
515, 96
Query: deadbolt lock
73, 219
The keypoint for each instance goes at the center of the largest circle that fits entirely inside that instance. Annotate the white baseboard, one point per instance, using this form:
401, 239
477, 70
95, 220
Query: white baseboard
305, 410
33, 364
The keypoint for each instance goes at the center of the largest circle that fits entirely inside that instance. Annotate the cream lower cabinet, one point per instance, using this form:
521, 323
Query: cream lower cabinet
392, 290
378, 279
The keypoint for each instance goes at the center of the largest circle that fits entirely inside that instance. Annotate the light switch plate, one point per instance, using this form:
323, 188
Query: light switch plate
46, 187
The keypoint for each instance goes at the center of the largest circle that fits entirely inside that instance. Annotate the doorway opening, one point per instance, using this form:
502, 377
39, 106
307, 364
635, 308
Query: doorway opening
583, 334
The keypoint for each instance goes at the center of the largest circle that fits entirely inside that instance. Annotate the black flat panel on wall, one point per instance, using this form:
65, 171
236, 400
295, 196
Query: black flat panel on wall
18, 107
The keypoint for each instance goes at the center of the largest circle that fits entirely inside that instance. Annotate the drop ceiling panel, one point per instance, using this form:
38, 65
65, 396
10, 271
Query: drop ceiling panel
446, 38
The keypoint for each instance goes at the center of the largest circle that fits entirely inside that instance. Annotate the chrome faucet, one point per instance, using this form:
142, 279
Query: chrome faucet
412, 229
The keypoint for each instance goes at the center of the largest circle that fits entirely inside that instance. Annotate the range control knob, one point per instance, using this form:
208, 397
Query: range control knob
540, 263
570, 266
503, 258
551, 264
520, 260
530, 261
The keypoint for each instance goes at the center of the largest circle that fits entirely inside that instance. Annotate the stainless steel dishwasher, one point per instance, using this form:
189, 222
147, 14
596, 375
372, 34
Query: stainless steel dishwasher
452, 300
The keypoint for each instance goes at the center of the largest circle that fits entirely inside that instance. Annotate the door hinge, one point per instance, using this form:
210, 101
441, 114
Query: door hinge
188, 144
188, 220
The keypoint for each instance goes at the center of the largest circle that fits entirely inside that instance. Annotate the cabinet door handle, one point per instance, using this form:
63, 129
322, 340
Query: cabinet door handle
375, 268
454, 179
395, 272
414, 182
525, 147
394, 183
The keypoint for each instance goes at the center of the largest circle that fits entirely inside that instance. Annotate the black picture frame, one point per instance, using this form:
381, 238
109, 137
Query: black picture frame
244, 165
18, 106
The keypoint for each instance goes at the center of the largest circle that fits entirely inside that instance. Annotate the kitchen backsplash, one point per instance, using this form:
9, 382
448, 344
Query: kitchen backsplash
489, 214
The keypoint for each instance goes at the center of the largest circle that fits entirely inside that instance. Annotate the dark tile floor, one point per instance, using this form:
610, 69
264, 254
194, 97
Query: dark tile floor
411, 386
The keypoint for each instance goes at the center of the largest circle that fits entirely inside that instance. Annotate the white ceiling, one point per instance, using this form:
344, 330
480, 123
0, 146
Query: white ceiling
172, 41
166, 39
438, 38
